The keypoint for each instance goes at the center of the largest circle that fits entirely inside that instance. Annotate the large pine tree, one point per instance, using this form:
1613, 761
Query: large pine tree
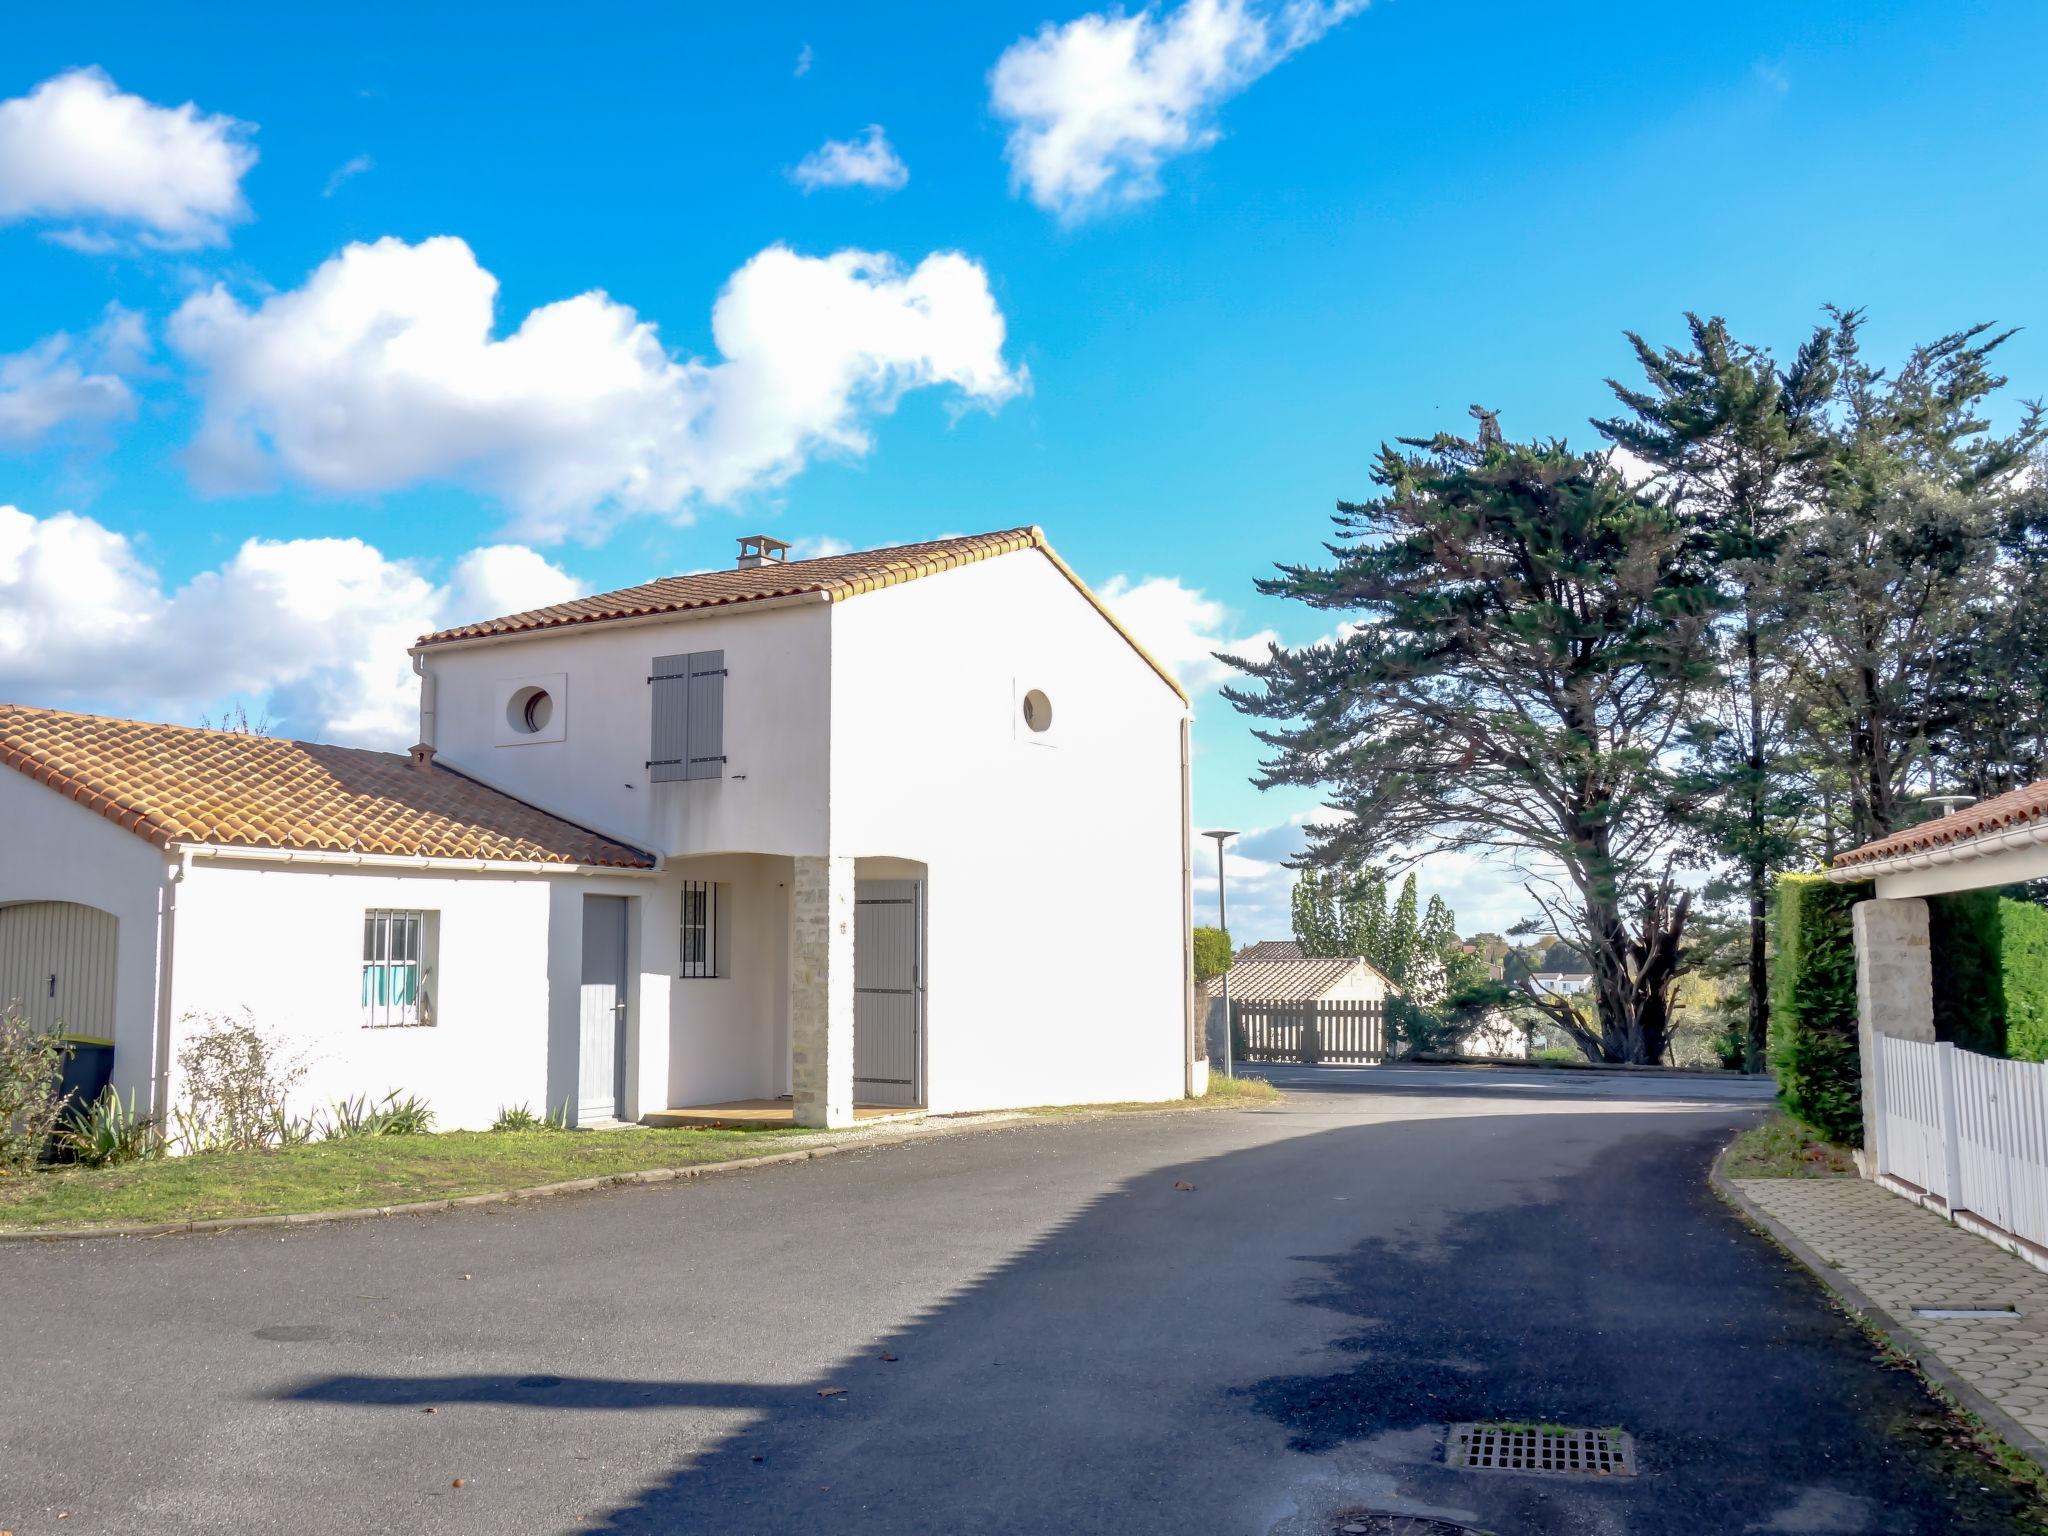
1527, 637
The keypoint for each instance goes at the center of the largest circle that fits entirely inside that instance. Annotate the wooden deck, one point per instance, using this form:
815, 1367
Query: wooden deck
751, 1114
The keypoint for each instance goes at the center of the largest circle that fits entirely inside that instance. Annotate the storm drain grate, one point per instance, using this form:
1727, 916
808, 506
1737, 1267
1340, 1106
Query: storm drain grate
1541, 1448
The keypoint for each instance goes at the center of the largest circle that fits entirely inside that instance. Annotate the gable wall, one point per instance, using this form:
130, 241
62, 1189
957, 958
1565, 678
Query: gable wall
1055, 951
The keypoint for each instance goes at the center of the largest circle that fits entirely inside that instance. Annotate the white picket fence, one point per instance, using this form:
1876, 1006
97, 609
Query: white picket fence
1968, 1135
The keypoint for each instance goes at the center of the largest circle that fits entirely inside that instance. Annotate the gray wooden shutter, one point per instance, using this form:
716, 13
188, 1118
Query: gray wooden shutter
669, 758
706, 709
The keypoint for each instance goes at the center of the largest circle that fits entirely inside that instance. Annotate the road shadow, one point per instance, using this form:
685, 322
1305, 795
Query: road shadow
1096, 1380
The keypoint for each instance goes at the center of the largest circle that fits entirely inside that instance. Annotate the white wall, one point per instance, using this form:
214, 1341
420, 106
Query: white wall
54, 849
286, 943
728, 1036
1055, 950
772, 798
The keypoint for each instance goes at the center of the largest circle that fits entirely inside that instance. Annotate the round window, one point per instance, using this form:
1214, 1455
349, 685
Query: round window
530, 711
1037, 710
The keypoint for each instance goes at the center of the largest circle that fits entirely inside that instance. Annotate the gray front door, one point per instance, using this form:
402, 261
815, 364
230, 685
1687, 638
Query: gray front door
888, 991
601, 1062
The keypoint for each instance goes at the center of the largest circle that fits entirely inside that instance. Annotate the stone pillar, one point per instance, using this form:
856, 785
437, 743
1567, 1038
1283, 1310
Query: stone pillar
1894, 993
821, 992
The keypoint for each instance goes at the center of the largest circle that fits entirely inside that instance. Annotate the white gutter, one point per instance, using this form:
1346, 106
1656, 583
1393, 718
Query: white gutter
1982, 846
407, 861
166, 958
577, 626
1191, 1051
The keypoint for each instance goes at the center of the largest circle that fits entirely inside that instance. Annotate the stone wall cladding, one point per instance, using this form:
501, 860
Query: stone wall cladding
821, 992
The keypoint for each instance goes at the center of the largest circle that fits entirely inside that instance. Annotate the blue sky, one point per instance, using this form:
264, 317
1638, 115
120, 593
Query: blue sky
1345, 231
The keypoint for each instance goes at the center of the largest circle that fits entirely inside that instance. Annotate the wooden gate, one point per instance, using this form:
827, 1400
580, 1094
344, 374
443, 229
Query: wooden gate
1349, 1032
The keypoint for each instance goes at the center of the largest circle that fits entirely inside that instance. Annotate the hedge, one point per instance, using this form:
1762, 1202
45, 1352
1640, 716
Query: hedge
1813, 1004
1964, 937
2023, 964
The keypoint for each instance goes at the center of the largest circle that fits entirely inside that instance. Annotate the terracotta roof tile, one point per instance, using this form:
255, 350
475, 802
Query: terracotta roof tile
830, 578
2003, 813
174, 784
1288, 978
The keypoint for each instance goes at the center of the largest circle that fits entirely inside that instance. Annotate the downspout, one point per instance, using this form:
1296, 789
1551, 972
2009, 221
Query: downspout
419, 667
166, 958
1192, 1051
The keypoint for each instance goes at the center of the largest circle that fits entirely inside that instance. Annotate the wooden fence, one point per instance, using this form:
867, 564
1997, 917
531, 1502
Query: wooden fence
1312, 1031
1968, 1135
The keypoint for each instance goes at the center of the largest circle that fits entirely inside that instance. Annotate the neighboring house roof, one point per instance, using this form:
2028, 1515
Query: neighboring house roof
1973, 830
1270, 949
175, 784
1290, 979
830, 578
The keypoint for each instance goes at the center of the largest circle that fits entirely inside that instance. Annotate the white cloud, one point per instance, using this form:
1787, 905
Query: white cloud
68, 382
867, 160
316, 628
78, 148
1098, 105
1183, 627
346, 171
383, 371
803, 62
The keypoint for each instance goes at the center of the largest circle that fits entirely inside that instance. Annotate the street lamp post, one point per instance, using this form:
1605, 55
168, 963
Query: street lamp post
1223, 923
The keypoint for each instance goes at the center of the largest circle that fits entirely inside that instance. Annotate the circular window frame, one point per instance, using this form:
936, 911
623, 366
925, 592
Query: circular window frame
1037, 711
530, 710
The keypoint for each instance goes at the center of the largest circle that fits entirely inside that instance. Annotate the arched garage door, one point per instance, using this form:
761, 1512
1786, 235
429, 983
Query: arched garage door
57, 964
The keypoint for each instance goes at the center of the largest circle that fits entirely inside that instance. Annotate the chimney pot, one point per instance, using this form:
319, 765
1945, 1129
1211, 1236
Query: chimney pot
757, 549
423, 757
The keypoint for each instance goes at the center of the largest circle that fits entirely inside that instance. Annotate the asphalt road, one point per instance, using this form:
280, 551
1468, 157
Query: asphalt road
1022, 1330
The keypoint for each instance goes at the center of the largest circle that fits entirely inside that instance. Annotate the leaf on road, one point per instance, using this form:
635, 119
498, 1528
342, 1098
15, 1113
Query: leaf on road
831, 1391
1182, 1184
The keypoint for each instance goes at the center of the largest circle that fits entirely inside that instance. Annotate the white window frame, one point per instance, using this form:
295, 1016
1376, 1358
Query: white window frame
398, 977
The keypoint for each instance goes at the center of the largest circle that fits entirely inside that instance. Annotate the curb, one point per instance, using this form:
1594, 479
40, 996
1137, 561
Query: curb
852, 1143
1901, 1338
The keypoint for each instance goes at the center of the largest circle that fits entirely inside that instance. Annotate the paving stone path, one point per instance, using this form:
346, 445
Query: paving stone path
1902, 1257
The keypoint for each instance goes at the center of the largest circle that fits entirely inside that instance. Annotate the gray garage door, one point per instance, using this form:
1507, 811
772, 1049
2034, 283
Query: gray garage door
57, 963
888, 991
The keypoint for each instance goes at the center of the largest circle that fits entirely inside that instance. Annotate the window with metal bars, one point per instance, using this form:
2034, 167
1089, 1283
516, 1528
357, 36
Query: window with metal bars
700, 929
397, 968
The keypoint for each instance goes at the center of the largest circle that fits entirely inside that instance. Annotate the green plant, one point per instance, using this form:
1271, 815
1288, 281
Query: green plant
1965, 937
236, 1085
107, 1132
558, 1117
1813, 1005
2023, 964
520, 1117
31, 1090
1729, 1049
1212, 953
388, 1116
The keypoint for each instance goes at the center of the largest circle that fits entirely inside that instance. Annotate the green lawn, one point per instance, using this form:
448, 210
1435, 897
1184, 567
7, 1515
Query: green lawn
360, 1171
1785, 1148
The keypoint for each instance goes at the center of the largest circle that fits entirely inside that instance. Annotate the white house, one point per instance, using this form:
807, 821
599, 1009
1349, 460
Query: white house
899, 829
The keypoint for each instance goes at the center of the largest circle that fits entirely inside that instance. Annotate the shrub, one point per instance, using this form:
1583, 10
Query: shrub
389, 1116
1964, 933
1813, 1004
107, 1133
31, 1090
520, 1117
1212, 953
236, 1087
2023, 961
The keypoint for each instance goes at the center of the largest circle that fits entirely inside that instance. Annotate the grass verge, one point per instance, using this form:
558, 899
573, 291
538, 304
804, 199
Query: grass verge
1785, 1147
1224, 1093
359, 1172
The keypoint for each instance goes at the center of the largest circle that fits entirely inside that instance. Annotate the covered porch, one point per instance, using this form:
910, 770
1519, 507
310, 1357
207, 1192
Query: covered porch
798, 995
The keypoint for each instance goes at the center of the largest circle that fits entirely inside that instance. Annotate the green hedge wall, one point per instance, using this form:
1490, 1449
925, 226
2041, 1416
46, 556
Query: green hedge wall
1964, 932
1813, 1004
2023, 965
